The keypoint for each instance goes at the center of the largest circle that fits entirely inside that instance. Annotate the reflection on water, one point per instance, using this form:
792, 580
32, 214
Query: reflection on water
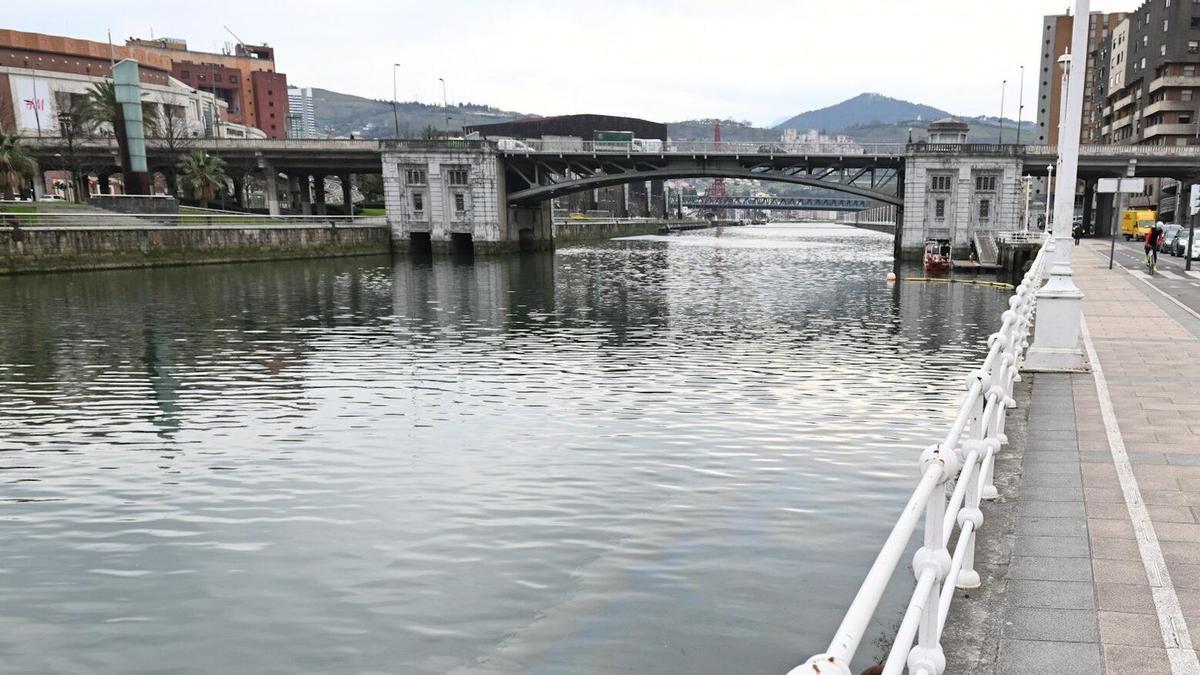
652, 455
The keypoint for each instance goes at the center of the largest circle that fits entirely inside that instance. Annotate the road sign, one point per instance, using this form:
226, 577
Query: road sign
1133, 185
1195, 201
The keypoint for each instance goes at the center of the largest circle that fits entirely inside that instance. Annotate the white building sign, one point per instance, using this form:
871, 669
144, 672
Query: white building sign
34, 103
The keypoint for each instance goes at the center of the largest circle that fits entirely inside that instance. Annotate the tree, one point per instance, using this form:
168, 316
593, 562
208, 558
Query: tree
99, 107
172, 132
15, 164
202, 175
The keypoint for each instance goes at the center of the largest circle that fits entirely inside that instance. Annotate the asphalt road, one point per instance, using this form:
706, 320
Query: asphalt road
1170, 279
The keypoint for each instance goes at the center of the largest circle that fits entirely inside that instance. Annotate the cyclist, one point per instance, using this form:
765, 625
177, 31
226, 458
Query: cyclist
1153, 242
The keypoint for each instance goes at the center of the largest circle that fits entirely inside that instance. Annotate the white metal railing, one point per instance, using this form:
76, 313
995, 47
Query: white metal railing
966, 454
556, 146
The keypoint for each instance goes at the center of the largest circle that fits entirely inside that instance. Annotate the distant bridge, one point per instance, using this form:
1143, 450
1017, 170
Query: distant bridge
779, 203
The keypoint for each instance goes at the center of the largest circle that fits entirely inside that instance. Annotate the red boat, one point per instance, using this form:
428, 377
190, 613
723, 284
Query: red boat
937, 256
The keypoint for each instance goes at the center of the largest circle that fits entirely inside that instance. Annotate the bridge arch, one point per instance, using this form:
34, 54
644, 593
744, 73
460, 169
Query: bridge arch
543, 192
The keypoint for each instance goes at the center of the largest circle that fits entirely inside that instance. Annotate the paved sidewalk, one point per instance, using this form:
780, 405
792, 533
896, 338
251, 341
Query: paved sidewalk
1065, 575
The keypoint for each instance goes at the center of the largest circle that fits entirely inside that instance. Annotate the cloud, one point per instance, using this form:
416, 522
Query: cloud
664, 60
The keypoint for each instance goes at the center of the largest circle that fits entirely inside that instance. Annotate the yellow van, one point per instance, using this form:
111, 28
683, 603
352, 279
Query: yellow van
1135, 223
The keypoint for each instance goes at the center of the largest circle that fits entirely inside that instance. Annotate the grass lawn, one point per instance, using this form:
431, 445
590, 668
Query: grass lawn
373, 212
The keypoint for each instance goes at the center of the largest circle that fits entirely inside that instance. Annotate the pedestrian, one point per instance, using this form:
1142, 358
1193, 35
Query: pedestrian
1077, 232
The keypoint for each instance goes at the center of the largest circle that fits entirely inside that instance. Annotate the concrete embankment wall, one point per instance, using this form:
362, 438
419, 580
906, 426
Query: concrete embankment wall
571, 231
886, 228
53, 249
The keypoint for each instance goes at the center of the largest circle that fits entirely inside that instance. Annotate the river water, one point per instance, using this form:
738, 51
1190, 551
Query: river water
652, 455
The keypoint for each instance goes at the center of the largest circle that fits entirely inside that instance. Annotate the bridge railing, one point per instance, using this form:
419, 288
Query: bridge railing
967, 456
563, 146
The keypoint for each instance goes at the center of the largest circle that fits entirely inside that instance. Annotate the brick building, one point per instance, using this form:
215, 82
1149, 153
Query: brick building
245, 79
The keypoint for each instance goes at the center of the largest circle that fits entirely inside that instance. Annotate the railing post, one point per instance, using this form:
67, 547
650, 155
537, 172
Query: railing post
967, 576
927, 656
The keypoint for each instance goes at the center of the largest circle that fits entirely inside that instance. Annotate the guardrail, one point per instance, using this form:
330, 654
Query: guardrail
966, 454
131, 220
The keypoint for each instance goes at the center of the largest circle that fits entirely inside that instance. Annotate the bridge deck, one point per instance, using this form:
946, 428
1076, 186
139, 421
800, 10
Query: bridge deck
1075, 587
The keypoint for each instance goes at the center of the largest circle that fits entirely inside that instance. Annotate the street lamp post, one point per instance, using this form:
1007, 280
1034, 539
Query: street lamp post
1020, 103
1003, 86
1049, 182
1027, 186
1056, 341
445, 105
395, 112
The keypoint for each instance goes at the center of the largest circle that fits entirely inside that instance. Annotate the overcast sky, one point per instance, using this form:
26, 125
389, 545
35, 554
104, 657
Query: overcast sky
664, 60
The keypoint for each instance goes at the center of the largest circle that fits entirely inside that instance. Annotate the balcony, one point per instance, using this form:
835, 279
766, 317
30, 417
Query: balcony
1123, 102
1160, 106
1174, 81
1169, 130
1122, 122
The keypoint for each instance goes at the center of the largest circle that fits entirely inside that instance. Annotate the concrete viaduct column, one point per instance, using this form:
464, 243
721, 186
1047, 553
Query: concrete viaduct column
272, 189
304, 193
347, 180
319, 194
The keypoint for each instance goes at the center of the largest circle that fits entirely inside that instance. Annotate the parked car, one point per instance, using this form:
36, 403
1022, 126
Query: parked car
1176, 245
1170, 231
1179, 246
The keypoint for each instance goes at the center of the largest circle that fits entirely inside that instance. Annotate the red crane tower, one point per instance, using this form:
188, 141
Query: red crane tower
716, 191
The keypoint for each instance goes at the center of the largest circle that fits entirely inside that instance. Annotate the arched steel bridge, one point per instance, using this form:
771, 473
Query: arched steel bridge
779, 203
544, 169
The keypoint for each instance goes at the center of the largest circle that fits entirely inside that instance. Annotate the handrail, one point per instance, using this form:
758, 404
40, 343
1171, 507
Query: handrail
967, 454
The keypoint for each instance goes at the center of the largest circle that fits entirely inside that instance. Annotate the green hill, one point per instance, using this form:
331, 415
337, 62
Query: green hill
340, 115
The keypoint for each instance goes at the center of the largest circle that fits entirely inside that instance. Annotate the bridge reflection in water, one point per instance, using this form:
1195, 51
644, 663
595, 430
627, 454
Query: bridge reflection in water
654, 455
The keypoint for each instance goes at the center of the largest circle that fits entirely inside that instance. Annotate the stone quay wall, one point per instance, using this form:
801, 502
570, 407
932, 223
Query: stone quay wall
57, 249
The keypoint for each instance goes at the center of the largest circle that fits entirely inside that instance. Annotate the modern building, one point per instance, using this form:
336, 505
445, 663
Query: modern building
244, 78
302, 119
1154, 83
1056, 41
630, 200
44, 75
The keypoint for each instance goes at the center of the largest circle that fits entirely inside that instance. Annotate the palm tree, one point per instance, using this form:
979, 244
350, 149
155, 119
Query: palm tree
99, 107
202, 175
15, 164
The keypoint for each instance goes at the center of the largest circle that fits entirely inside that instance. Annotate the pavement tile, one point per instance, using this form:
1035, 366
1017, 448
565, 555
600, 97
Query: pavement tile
1051, 547
1050, 509
1050, 568
1141, 660
1127, 598
1177, 531
1051, 594
1115, 549
1103, 495
1050, 494
1062, 625
1038, 526
1139, 630
1119, 571
1111, 528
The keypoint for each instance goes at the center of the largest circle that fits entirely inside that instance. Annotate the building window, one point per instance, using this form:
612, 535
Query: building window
1185, 119
460, 203
1164, 25
1189, 71
418, 201
939, 183
414, 176
1162, 50
1196, 22
939, 208
985, 208
985, 183
457, 176
185, 74
1185, 94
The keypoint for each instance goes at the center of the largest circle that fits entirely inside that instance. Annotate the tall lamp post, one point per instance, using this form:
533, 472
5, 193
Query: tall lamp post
1020, 103
1003, 86
1056, 340
445, 105
1049, 182
395, 112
